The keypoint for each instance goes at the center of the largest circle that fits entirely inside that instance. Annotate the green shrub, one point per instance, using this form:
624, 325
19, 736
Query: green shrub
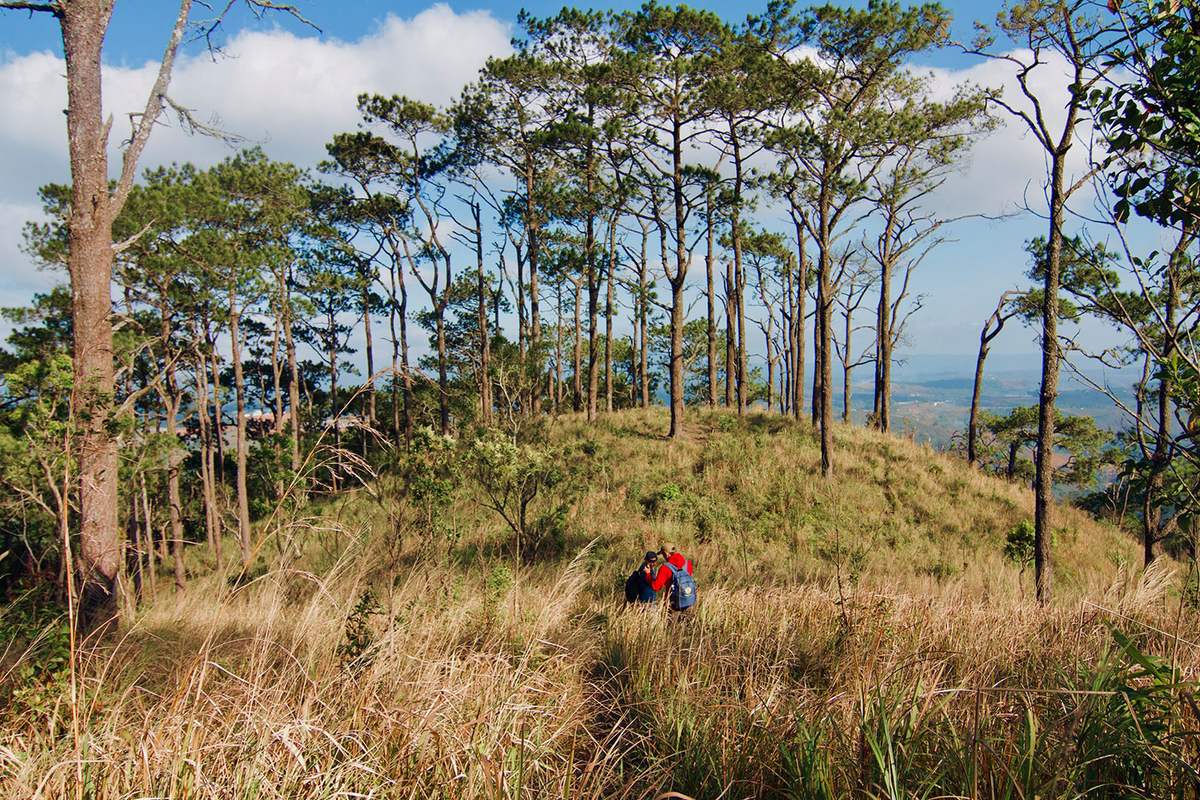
359, 637
1019, 544
496, 586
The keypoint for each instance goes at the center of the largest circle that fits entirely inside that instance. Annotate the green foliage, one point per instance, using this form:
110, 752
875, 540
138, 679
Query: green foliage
432, 473
1009, 437
36, 624
531, 487
268, 468
1129, 741
807, 771
358, 637
1148, 113
1019, 544
496, 587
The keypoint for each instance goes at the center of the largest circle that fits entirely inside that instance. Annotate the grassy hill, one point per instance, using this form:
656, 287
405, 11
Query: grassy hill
859, 637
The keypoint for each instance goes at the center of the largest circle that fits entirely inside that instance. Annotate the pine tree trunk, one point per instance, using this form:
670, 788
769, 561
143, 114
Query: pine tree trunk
485, 339
219, 413
1152, 509
593, 309
577, 351
289, 343
556, 375
710, 296
443, 370
212, 514
801, 317
397, 424
535, 319
770, 365
643, 313
825, 301
335, 410
369, 346
731, 368
883, 347
608, 314
677, 322
239, 388
405, 368
1048, 394
276, 375
90, 264
171, 404
847, 363
976, 393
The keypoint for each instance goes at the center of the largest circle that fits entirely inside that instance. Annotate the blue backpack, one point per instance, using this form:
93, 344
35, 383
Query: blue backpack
683, 588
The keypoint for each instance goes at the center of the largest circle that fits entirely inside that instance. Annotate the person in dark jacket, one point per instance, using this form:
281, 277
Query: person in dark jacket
638, 588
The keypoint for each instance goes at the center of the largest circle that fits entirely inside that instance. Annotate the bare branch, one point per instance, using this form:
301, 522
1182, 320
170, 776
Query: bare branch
54, 8
154, 105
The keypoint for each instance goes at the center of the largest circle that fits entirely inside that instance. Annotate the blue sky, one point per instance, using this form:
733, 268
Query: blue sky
138, 25
288, 89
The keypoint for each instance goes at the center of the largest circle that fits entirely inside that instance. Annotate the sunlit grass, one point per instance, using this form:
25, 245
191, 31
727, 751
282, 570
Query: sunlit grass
830, 655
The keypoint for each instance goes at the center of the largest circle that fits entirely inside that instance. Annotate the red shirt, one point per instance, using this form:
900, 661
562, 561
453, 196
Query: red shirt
664, 572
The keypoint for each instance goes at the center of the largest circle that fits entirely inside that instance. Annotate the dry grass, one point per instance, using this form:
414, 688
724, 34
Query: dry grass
469, 676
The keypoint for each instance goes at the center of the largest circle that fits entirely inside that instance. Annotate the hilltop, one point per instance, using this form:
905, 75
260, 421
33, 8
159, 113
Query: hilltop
863, 636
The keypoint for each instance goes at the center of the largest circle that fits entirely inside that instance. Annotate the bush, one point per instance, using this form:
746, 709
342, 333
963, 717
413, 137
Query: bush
530, 487
1019, 544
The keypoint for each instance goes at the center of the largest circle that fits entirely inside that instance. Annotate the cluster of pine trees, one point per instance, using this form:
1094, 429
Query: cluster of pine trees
599, 183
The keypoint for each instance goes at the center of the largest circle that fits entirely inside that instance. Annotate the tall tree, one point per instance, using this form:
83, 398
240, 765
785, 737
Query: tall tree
663, 63
95, 204
1044, 34
519, 132
371, 164
846, 111
925, 155
422, 132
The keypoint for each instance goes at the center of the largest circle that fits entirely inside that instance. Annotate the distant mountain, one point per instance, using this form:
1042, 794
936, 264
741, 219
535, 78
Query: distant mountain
931, 394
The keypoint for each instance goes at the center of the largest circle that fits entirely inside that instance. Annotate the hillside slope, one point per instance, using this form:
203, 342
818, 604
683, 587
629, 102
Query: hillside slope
860, 637
747, 498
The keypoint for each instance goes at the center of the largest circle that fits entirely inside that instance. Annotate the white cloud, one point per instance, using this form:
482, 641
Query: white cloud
1007, 168
289, 93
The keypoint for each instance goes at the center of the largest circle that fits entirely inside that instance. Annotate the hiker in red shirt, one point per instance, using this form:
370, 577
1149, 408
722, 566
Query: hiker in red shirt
675, 563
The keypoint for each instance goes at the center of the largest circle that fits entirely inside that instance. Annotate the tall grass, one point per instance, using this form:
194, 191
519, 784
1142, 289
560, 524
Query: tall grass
359, 669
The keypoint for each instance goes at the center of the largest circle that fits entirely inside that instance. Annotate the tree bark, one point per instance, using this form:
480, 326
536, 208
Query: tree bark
710, 296
731, 368
535, 319
90, 264
976, 393
801, 315
171, 403
1048, 393
212, 514
576, 350
443, 370
1159, 459
848, 366
591, 274
643, 313
239, 388
735, 221
825, 300
370, 352
289, 345
485, 339
998, 318
608, 314
883, 348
